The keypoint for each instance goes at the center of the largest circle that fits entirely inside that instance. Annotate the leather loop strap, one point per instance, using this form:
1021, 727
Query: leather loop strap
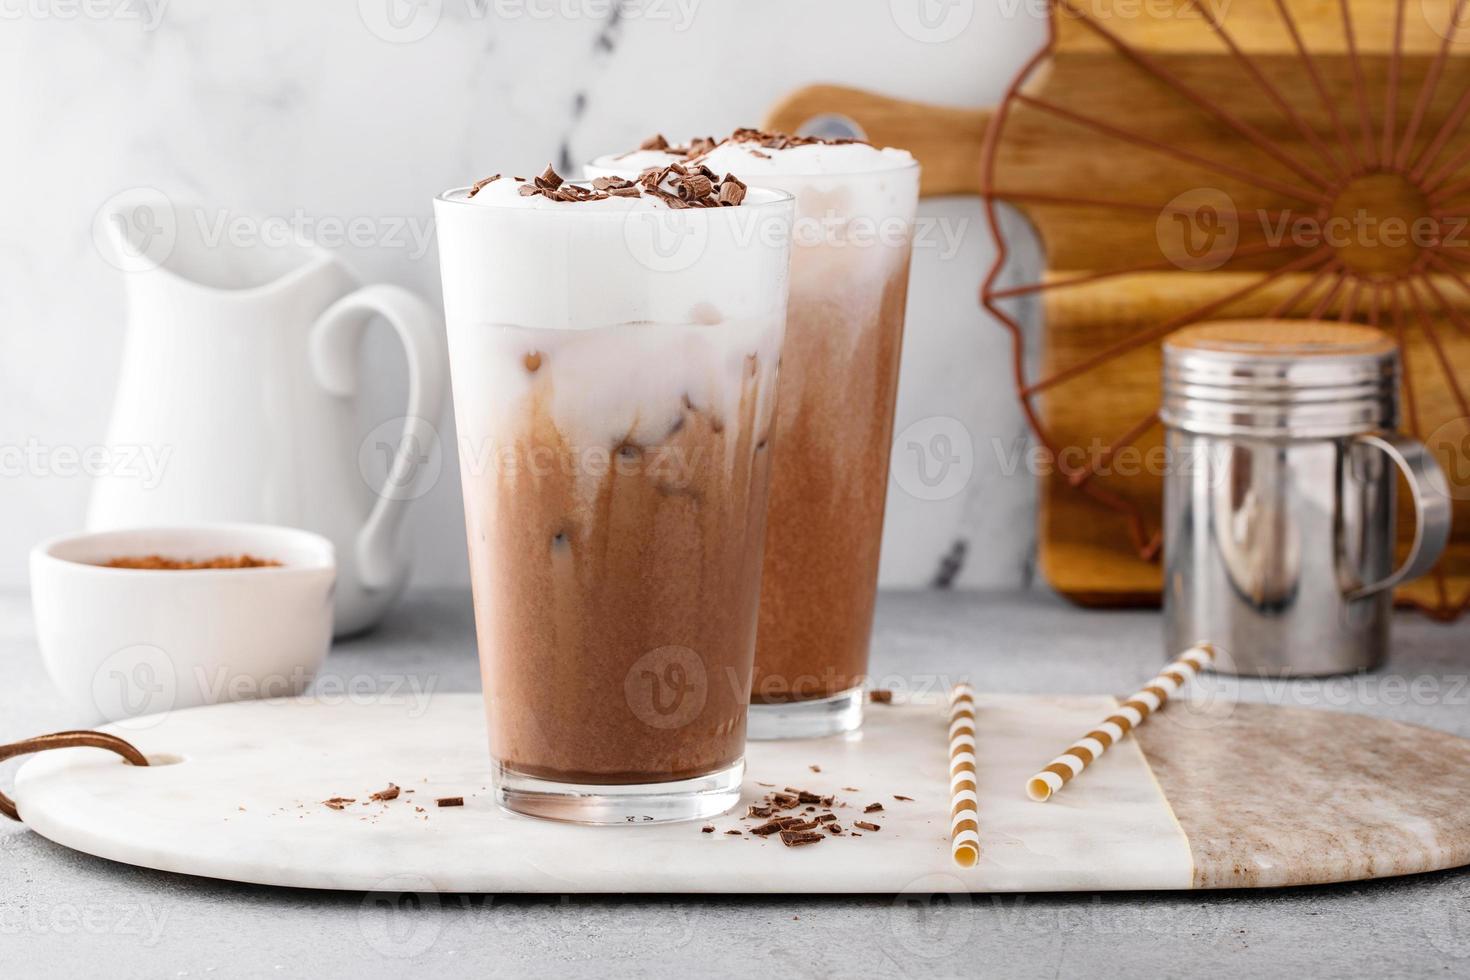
65, 740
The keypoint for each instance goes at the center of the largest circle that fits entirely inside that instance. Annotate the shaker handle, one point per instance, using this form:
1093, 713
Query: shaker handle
334, 342
1432, 511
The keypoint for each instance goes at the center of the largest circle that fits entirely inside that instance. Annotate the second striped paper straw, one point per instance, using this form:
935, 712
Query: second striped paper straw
964, 814
1083, 752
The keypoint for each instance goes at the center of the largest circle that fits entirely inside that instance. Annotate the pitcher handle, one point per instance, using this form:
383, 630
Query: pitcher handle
334, 344
1433, 513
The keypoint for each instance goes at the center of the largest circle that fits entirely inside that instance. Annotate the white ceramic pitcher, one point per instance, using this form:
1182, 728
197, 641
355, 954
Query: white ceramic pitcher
239, 373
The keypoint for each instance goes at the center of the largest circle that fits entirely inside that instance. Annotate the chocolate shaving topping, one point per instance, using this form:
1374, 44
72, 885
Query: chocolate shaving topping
865, 825
676, 185
481, 184
781, 141
695, 187
699, 148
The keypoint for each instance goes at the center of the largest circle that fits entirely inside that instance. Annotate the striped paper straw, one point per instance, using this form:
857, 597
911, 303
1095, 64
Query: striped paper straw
964, 814
1065, 767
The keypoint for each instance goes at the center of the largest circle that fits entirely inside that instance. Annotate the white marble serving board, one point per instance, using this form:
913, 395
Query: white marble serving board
244, 804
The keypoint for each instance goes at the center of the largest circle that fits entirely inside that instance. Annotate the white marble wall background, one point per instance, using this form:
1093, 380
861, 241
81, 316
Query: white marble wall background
326, 112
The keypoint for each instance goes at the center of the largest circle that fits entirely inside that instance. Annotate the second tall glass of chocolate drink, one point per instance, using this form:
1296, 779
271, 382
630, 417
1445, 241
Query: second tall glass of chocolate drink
856, 205
614, 351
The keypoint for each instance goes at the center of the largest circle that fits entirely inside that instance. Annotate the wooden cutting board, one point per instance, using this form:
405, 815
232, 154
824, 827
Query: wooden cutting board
1141, 149
1212, 795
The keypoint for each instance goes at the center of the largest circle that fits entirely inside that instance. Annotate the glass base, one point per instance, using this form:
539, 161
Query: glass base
645, 803
836, 715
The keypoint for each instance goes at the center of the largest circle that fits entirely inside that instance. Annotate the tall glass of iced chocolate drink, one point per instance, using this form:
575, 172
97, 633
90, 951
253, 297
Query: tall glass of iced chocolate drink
839, 378
614, 350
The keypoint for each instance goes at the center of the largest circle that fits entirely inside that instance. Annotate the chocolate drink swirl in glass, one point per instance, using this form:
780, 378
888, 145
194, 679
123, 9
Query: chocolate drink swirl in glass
614, 364
839, 379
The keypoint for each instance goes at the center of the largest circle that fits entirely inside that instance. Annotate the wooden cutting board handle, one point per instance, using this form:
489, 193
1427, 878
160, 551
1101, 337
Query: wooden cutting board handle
947, 142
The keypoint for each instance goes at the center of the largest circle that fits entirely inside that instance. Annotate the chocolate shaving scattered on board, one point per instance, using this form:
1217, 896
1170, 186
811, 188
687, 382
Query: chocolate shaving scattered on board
708, 828
384, 795
815, 768
450, 801
338, 802
805, 827
906, 799
881, 696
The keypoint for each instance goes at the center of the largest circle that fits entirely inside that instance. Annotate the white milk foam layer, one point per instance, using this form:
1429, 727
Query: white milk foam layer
855, 210
626, 313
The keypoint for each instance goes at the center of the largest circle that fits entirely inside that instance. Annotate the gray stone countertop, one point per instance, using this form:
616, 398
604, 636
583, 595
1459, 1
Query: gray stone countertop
64, 914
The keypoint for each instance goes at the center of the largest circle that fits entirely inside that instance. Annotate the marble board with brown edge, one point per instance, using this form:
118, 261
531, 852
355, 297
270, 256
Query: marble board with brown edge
1210, 795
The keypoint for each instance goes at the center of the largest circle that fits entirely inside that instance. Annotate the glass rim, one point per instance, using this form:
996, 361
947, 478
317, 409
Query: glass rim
774, 198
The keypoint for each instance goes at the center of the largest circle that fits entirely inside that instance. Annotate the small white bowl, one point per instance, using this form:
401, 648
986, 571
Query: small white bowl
121, 643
